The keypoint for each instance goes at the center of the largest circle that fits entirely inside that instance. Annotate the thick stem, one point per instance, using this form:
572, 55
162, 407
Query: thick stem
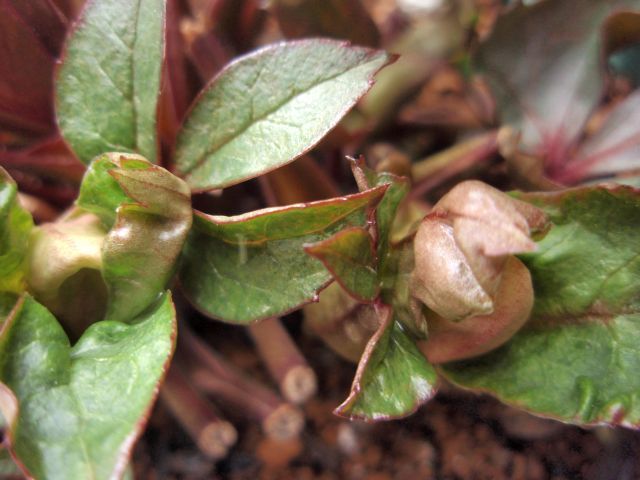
287, 366
213, 435
214, 375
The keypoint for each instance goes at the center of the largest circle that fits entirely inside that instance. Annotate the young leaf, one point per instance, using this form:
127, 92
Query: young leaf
577, 359
253, 266
75, 412
15, 227
350, 258
398, 188
270, 107
149, 212
107, 88
393, 378
544, 63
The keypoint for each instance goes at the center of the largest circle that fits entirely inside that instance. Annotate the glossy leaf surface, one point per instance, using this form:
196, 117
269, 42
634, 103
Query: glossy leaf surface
267, 108
15, 227
350, 257
75, 412
149, 212
253, 266
577, 358
393, 377
107, 88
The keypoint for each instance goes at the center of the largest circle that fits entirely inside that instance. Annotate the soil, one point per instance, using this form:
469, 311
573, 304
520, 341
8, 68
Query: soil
458, 435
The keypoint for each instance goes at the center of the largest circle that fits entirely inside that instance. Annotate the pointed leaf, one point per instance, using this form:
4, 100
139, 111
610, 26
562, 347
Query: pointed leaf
350, 258
544, 62
577, 359
15, 227
149, 212
393, 377
253, 266
75, 412
268, 108
107, 88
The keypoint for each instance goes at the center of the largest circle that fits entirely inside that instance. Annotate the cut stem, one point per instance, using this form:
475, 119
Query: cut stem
296, 379
213, 375
213, 435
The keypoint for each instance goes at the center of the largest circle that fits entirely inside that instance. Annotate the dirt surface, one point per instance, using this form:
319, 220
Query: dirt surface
457, 435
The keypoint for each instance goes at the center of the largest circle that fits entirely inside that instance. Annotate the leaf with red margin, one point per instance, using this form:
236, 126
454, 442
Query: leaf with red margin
393, 377
350, 257
269, 107
75, 412
108, 86
577, 359
253, 266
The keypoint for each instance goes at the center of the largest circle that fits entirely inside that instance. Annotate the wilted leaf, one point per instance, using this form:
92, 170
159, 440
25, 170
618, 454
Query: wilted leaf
349, 256
341, 19
544, 62
149, 212
253, 266
393, 377
75, 412
268, 108
15, 227
577, 359
107, 88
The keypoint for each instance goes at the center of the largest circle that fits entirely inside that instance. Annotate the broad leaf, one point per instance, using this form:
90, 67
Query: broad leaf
149, 213
267, 108
107, 88
15, 227
253, 266
393, 378
577, 359
349, 256
544, 62
75, 412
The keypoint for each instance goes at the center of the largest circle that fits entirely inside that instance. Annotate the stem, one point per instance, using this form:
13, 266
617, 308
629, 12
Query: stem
287, 366
215, 376
40, 210
213, 435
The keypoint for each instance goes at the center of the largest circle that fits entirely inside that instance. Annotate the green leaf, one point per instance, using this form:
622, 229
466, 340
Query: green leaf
577, 359
393, 378
253, 266
149, 212
107, 88
75, 412
544, 63
269, 107
350, 257
15, 227
398, 188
